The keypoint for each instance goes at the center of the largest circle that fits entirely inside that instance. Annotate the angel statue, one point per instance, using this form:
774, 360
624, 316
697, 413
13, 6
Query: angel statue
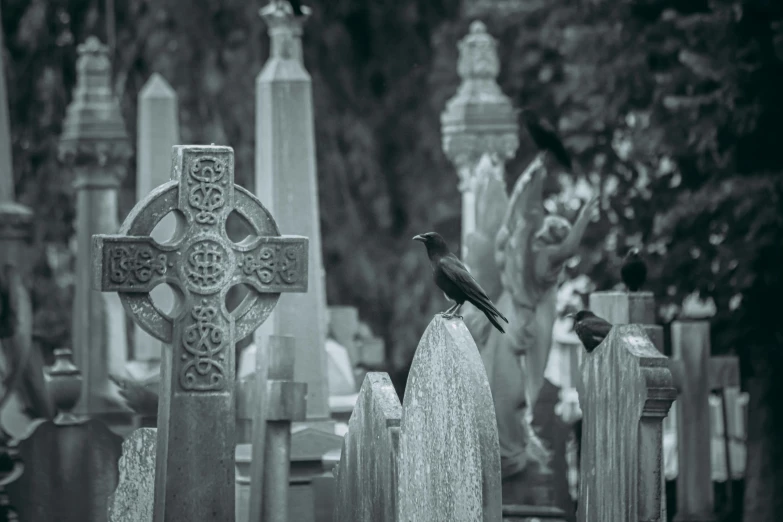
517, 253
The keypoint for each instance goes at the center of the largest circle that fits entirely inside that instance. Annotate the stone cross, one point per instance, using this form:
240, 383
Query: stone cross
479, 120
696, 374
194, 476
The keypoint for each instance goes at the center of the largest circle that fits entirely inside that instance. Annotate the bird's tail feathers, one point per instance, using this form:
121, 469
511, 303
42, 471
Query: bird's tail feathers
493, 319
492, 313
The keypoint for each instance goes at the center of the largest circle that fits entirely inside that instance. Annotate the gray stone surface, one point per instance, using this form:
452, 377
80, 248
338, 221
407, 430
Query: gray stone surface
449, 453
157, 131
286, 182
194, 477
478, 120
95, 147
132, 500
367, 476
625, 392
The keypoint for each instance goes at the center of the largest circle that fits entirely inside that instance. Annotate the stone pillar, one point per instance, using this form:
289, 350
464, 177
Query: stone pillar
479, 120
157, 132
287, 185
95, 147
691, 347
15, 219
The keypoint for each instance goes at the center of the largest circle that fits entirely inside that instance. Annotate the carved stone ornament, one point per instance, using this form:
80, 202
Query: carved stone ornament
202, 263
479, 119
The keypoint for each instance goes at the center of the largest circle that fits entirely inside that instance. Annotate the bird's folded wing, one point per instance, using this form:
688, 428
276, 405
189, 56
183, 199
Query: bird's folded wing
456, 272
524, 216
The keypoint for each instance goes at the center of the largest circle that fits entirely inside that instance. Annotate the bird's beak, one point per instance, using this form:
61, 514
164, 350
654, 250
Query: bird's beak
419, 238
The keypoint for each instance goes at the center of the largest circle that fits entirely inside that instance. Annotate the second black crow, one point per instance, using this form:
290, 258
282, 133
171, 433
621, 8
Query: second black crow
590, 329
546, 138
453, 278
634, 270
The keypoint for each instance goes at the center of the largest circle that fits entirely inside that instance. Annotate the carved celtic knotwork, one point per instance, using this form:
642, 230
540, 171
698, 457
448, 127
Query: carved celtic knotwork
274, 264
205, 267
133, 264
202, 264
206, 193
204, 342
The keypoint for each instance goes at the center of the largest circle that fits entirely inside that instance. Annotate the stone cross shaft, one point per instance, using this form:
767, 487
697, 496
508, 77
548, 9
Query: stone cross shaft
194, 477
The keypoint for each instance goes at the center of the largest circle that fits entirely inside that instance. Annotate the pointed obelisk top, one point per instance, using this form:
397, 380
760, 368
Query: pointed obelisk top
157, 87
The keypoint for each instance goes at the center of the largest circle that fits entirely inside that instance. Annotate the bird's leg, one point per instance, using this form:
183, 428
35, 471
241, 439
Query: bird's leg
448, 314
455, 313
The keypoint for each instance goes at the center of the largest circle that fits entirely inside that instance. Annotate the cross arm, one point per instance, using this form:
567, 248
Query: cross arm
273, 264
722, 372
129, 264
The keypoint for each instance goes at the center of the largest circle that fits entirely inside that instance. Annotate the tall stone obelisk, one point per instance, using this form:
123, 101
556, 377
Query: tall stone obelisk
157, 132
286, 182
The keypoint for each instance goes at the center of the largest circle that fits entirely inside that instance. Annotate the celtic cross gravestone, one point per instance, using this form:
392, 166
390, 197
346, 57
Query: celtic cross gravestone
194, 476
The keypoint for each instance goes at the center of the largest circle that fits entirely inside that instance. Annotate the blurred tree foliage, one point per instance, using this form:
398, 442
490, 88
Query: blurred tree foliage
673, 108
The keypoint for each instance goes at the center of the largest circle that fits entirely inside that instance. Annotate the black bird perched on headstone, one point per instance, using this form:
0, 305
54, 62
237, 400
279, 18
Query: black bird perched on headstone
634, 270
590, 329
546, 138
453, 278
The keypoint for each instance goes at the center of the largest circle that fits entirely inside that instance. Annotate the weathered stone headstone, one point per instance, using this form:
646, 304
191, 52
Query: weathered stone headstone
625, 392
194, 478
449, 453
157, 132
133, 499
479, 120
70, 463
344, 325
95, 146
280, 401
287, 184
367, 473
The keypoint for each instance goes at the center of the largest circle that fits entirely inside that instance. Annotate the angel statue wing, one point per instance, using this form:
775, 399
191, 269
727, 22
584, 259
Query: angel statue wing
524, 216
491, 201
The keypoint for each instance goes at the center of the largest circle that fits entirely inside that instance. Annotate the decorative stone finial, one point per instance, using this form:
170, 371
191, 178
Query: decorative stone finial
285, 28
478, 54
479, 119
94, 131
65, 386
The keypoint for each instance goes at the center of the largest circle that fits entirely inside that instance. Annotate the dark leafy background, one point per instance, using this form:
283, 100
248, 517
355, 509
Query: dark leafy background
674, 106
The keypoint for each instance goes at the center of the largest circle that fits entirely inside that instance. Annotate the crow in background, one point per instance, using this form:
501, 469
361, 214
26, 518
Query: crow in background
546, 139
453, 278
296, 5
634, 270
590, 329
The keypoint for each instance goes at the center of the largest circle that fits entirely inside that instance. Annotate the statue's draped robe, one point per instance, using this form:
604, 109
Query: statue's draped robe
526, 286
